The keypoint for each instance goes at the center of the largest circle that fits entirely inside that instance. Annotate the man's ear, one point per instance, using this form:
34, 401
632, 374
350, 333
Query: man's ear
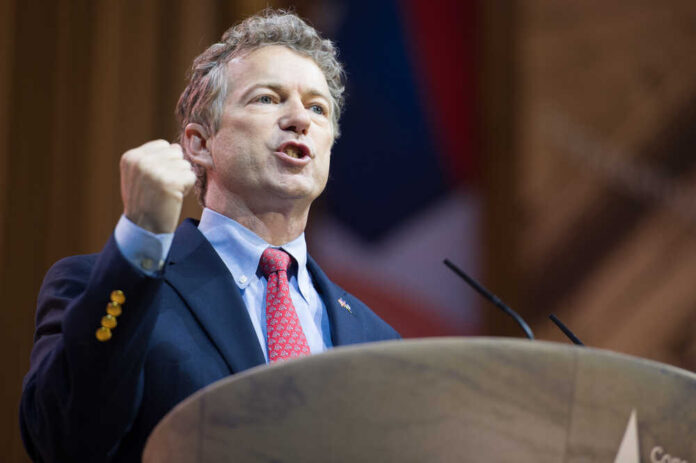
197, 144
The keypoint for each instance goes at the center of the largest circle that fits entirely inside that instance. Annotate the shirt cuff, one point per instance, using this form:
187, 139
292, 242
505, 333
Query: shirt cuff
145, 250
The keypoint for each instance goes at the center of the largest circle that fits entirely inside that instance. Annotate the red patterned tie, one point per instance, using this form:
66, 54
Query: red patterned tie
284, 332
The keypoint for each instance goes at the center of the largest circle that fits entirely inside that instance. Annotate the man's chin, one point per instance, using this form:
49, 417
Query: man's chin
297, 189
295, 193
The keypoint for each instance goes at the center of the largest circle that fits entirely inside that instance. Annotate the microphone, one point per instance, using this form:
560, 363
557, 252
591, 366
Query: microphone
565, 330
491, 297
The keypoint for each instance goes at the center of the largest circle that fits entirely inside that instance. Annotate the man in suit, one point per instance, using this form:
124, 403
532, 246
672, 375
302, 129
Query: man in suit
124, 335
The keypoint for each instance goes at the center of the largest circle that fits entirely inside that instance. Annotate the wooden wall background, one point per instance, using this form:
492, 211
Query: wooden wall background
588, 114
81, 81
590, 129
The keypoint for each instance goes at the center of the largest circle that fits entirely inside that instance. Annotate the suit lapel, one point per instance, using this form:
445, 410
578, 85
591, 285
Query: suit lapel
201, 278
346, 325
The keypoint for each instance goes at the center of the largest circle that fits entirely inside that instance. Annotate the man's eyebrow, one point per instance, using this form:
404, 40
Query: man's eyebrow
275, 87
314, 92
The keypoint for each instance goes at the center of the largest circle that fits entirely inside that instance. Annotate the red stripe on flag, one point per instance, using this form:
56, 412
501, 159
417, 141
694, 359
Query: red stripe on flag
442, 36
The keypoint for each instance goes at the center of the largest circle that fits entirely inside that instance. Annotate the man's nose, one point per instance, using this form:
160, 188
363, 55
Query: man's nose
295, 117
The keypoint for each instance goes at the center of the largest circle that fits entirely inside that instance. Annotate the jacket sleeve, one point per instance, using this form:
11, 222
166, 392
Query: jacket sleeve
81, 395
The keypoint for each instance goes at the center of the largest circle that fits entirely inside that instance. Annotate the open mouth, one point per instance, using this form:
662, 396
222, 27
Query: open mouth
295, 150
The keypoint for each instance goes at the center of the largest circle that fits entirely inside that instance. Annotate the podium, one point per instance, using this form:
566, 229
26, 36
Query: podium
439, 400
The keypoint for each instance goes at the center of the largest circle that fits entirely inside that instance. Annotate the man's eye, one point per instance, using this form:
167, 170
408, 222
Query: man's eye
318, 109
265, 99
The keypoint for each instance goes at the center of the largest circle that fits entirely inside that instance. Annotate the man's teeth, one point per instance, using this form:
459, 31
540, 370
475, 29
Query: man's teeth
293, 152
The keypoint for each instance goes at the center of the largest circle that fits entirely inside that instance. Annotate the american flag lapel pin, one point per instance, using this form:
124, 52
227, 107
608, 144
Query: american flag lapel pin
344, 304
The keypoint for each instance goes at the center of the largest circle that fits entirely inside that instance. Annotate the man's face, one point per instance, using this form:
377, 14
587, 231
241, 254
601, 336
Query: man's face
274, 142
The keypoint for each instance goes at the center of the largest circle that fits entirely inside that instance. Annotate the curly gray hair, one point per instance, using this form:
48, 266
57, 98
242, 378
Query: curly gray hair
203, 99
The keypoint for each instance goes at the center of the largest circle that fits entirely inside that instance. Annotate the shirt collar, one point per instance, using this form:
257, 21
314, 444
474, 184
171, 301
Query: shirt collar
240, 249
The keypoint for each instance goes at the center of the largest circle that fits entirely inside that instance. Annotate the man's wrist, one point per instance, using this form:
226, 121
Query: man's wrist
145, 250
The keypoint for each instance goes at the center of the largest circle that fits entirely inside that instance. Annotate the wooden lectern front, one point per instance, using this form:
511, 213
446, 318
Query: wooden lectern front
439, 400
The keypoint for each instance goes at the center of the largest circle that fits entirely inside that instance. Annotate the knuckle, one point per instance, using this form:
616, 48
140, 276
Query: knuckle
176, 151
128, 158
183, 163
157, 143
144, 162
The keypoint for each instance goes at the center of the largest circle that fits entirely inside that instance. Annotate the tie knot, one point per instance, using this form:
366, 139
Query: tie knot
274, 260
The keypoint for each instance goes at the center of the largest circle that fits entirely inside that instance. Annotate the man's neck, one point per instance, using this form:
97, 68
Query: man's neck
275, 225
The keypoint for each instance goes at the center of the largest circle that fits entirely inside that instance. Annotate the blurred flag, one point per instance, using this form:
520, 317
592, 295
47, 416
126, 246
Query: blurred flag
400, 196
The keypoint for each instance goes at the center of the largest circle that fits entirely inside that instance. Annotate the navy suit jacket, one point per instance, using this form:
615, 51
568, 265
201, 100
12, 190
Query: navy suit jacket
85, 400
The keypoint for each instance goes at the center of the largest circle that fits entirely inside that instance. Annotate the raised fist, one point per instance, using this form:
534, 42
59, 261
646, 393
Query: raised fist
155, 177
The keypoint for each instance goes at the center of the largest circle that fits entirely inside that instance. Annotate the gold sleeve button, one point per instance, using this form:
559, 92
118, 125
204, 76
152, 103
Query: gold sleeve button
103, 334
118, 297
108, 321
113, 309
